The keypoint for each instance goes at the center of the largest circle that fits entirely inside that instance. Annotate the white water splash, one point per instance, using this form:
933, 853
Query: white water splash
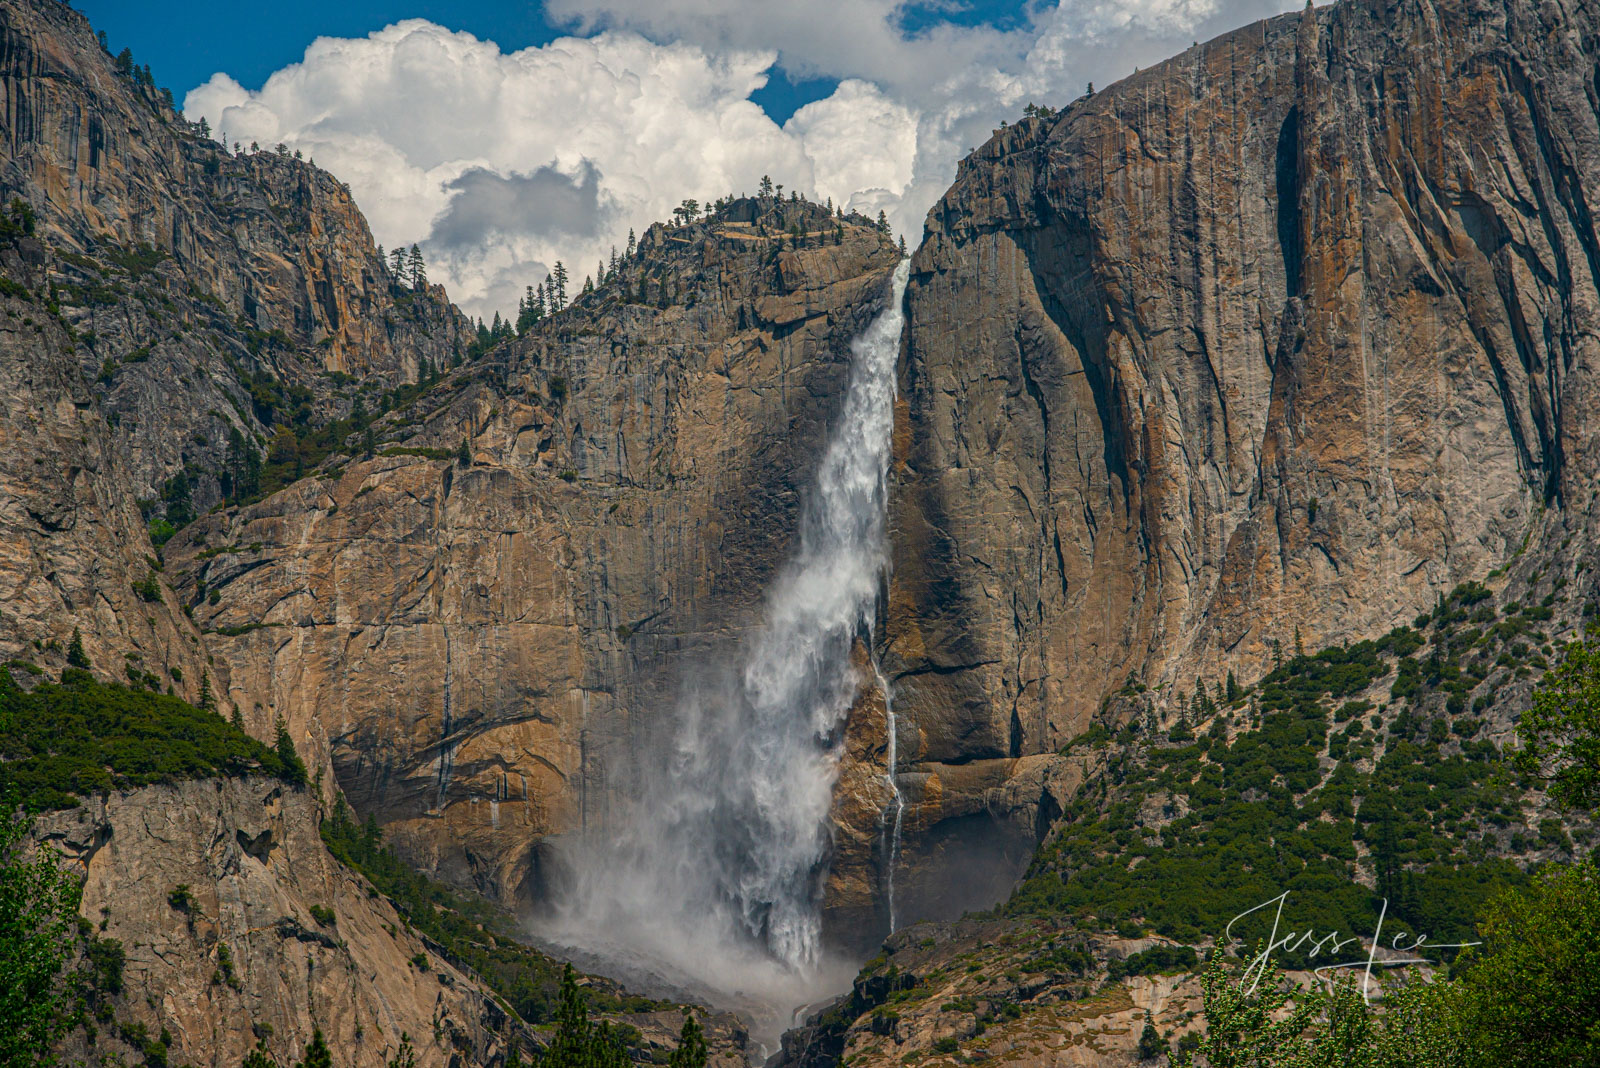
715, 885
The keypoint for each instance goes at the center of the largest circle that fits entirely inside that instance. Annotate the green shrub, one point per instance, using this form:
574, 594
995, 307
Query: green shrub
148, 588
182, 900
62, 741
1155, 961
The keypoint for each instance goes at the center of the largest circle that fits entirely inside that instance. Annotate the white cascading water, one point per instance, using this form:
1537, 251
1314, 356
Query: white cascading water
714, 885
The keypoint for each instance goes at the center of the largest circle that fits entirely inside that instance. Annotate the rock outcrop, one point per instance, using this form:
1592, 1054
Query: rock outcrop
74, 552
1280, 338
1029, 993
214, 889
193, 278
485, 651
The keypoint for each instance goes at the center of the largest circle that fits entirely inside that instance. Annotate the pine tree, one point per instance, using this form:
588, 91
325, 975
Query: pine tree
259, 1057
578, 1043
317, 1054
766, 186
1233, 692
369, 443
691, 1051
1150, 1044
76, 657
632, 244
294, 769
529, 310
561, 285
208, 700
397, 266
419, 270
883, 222
406, 1057
464, 454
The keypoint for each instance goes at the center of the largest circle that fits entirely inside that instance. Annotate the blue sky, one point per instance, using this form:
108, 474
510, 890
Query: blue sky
187, 41
498, 149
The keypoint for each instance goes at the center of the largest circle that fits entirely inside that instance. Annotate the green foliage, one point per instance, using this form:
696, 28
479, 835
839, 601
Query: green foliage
76, 657
578, 1042
691, 1051
1529, 995
225, 970
322, 914
1270, 1023
1266, 813
18, 220
63, 741
1155, 961
1151, 1044
182, 899
38, 914
259, 1057
406, 1057
1561, 734
105, 959
148, 588
1531, 992
294, 769
317, 1054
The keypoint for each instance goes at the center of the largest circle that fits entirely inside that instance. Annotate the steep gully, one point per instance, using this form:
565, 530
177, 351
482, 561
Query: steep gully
715, 884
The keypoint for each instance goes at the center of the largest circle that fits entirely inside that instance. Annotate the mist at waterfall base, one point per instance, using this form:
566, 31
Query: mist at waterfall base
712, 886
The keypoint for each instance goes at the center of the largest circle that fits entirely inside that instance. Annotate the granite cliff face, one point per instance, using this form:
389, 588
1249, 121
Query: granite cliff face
483, 651
189, 275
244, 956
1277, 340
1272, 343
73, 545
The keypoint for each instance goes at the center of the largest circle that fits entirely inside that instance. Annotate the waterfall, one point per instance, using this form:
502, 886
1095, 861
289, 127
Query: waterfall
894, 813
715, 883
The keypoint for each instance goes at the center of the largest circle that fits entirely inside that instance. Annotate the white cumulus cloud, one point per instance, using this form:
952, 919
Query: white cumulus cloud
499, 163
